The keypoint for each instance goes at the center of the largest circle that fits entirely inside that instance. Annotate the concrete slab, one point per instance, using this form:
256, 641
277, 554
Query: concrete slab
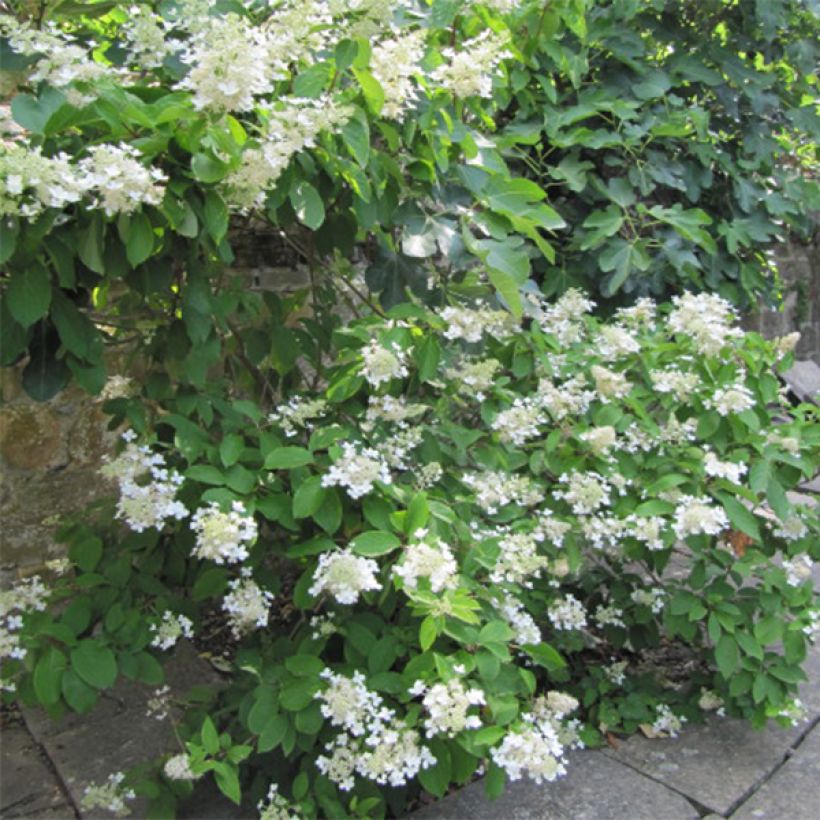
794, 789
28, 788
718, 764
596, 787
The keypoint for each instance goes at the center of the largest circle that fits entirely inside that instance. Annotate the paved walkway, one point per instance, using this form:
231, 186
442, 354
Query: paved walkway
721, 769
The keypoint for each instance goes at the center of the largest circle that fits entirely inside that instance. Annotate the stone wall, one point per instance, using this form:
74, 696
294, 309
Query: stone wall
50, 454
799, 266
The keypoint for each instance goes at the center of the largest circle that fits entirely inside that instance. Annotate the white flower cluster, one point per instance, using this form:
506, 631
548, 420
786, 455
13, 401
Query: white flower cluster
614, 342
600, 439
696, 516
792, 529
298, 413
178, 767
648, 529
519, 423
323, 626
496, 489
473, 378
357, 470
147, 36
470, 324
519, 620
676, 381
293, 125
793, 711
147, 487
609, 384
158, 706
609, 615
615, 672
732, 399
110, 796
393, 63
667, 723
373, 743
30, 182
447, 705
603, 532
433, 561
247, 605
275, 806
551, 529
231, 63
470, 68
533, 749
344, 576
585, 492
518, 560
223, 537
170, 629
62, 62
571, 398
798, 570
392, 410
710, 701
706, 318
654, 598
564, 318
567, 613
381, 365
731, 470
29, 595
118, 181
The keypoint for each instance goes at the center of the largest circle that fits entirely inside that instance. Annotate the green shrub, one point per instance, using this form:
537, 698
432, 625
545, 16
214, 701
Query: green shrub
428, 563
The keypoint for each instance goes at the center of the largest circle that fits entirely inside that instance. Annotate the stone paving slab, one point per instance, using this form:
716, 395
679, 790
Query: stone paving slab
27, 787
596, 787
803, 380
793, 790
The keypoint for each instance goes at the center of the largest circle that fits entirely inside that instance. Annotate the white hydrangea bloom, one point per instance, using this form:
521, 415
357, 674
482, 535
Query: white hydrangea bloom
299, 413
569, 399
567, 613
382, 365
730, 470
344, 576
147, 36
496, 489
28, 595
533, 750
393, 62
447, 705
247, 605
275, 806
147, 487
732, 399
348, 703
608, 615
518, 561
609, 384
585, 492
564, 319
119, 181
519, 423
699, 516
673, 380
615, 342
551, 529
648, 529
178, 767
792, 529
520, 621
357, 470
469, 70
667, 723
474, 378
110, 796
471, 324
432, 561
170, 629
654, 598
706, 318
223, 537
600, 439
798, 570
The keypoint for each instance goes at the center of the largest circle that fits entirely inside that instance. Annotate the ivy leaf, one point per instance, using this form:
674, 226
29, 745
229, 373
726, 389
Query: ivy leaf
29, 294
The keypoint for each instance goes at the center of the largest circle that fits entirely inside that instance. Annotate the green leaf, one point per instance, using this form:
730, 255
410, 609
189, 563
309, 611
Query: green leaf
273, 733
34, 112
86, 553
436, 779
29, 294
264, 709
418, 513
307, 204
90, 245
288, 458
776, 496
356, 136
207, 169
309, 497
600, 225
78, 695
95, 664
77, 333
371, 89
210, 737
48, 674
769, 630
227, 778
329, 515
374, 542
727, 655
215, 215
305, 665
140, 242
428, 632
296, 696
740, 516
545, 655
508, 289
621, 258
230, 448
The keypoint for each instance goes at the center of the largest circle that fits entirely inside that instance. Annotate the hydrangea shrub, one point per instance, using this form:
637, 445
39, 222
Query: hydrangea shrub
467, 550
